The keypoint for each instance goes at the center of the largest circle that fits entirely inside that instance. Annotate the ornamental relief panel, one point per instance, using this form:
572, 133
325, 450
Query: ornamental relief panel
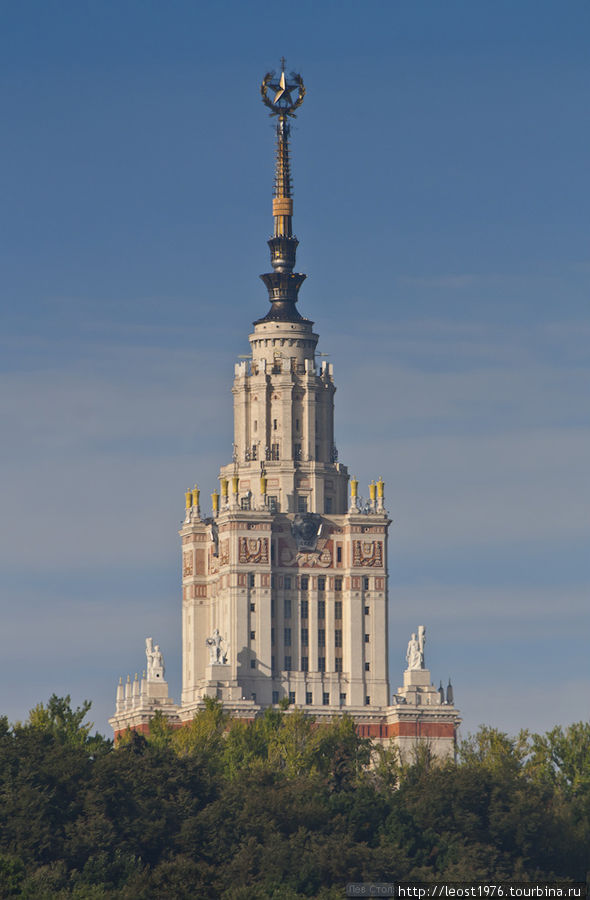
224, 553
367, 553
187, 563
253, 550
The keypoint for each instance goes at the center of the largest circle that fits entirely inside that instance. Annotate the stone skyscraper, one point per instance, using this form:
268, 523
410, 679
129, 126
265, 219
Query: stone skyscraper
284, 586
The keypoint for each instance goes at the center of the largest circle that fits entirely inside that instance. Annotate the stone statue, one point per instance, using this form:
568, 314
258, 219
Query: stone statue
415, 651
155, 661
216, 654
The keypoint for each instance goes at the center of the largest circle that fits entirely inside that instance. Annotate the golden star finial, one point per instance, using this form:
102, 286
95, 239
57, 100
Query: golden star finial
282, 86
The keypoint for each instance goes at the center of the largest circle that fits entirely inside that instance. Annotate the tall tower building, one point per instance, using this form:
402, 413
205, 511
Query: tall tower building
284, 586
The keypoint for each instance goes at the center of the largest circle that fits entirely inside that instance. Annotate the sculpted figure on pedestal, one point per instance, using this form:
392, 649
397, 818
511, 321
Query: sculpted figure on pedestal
415, 651
216, 655
155, 661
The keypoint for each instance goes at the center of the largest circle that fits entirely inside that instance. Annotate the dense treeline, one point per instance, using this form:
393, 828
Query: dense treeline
278, 809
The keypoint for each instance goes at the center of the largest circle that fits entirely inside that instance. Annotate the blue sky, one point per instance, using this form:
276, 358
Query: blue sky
441, 184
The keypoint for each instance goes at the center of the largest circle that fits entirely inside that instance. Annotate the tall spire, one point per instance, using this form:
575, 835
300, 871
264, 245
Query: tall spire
283, 284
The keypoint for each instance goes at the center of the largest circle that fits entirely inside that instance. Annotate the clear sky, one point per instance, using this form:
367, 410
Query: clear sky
441, 200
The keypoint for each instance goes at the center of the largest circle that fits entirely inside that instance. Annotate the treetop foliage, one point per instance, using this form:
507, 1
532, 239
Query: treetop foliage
278, 808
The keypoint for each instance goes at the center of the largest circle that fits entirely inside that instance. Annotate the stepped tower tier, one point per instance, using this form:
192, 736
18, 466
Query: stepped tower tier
295, 579
284, 586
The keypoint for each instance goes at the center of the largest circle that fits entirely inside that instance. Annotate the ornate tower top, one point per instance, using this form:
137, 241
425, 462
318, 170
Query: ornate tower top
282, 97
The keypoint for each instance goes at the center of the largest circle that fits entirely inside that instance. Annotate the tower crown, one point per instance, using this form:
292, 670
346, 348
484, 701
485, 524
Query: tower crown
282, 283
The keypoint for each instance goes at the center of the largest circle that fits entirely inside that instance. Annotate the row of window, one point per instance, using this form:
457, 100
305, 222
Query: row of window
304, 609
288, 664
305, 637
309, 698
304, 582
274, 452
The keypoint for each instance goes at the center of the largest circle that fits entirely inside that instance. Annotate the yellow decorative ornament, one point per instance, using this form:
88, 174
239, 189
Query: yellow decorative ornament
380, 488
234, 484
224, 488
188, 497
196, 495
215, 502
353, 487
372, 490
263, 482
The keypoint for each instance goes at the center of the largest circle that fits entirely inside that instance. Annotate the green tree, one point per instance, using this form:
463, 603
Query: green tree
67, 725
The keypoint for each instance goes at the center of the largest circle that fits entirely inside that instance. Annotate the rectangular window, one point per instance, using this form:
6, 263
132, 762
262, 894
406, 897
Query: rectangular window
367, 667
321, 609
297, 451
274, 424
287, 582
338, 609
302, 504
254, 454
321, 637
291, 697
304, 637
338, 664
274, 451
253, 696
339, 555
304, 663
287, 607
252, 607
245, 502
252, 635
342, 699
287, 637
338, 585
338, 638
296, 424
366, 639
367, 700
322, 583
328, 505
305, 582
304, 609
325, 699
287, 663
308, 698
273, 503
366, 610
321, 664
252, 663
251, 579
275, 696
365, 583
